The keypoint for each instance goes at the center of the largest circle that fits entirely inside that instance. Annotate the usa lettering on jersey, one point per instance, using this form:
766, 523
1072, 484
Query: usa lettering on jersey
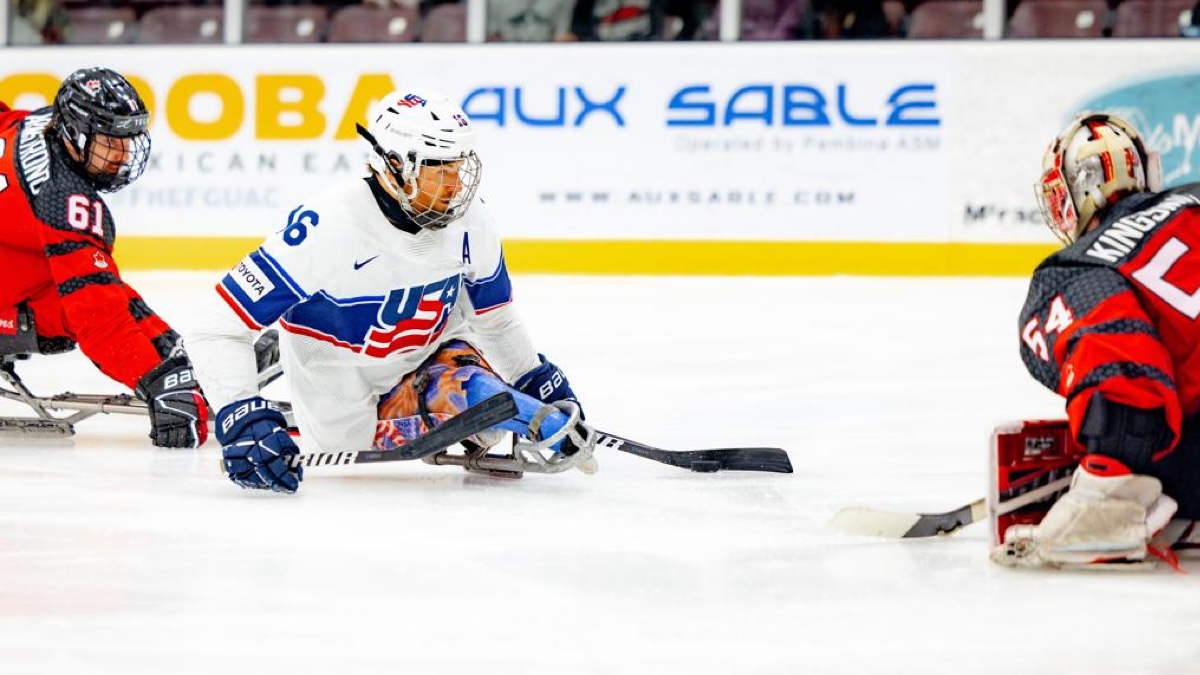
411, 318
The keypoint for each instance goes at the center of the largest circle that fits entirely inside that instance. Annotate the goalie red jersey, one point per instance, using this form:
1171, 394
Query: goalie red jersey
1115, 314
56, 254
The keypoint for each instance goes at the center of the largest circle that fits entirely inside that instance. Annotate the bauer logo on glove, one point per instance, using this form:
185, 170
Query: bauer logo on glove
245, 408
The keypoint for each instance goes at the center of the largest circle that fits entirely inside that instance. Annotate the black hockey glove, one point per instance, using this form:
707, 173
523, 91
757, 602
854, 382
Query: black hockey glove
547, 384
178, 412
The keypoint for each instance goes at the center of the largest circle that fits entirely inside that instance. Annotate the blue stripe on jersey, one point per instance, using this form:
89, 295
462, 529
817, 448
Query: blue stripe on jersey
346, 321
406, 319
260, 288
493, 291
270, 260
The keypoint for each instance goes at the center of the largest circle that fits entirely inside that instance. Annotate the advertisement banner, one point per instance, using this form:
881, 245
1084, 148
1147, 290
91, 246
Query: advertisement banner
1024, 93
758, 142
861, 153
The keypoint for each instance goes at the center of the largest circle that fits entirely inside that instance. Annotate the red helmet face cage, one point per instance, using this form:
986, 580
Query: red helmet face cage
1054, 201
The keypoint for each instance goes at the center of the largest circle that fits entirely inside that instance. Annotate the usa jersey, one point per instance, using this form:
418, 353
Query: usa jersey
360, 304
1116, 312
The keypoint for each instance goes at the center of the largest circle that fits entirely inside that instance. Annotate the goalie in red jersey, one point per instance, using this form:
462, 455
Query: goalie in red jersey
60, 284
1110, 323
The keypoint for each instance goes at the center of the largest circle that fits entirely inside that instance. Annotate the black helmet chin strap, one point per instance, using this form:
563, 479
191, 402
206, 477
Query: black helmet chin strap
378, 149
369, 137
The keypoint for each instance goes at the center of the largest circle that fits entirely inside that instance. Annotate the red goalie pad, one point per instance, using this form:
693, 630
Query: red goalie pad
1031, 466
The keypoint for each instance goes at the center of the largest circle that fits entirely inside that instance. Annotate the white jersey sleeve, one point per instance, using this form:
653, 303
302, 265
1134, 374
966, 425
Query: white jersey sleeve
495, 324
250, 297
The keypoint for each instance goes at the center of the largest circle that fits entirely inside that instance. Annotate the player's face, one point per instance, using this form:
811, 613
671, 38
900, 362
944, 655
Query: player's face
437, 186
108, 154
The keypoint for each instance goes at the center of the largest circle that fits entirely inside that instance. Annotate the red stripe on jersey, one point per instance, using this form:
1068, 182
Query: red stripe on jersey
237, 309
1096, 350
481, 312
307, 332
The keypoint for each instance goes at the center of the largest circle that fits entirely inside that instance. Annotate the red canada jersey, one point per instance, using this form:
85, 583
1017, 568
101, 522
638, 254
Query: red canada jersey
56, 254
1116, 312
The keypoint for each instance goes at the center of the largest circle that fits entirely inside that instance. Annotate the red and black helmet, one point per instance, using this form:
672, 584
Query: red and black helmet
96, 102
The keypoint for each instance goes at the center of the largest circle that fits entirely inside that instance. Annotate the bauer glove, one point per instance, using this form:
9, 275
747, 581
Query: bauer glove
178, 412
257, 448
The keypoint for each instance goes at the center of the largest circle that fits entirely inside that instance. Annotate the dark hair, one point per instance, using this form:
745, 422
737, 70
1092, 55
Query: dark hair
99, 101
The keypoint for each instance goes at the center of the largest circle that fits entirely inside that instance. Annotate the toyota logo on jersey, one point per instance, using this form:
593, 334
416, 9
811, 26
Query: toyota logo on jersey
411, 318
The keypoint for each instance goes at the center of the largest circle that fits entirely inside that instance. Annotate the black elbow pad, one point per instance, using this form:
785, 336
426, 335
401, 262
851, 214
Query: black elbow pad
1125, 433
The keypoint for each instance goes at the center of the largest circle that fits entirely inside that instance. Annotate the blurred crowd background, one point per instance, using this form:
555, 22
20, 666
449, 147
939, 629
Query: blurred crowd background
375, 21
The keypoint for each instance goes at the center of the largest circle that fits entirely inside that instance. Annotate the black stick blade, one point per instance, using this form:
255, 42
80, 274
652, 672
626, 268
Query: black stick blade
904, 525
771, 460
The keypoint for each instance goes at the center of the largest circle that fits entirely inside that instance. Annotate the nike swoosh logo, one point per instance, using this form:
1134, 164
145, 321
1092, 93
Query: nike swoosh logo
358, 265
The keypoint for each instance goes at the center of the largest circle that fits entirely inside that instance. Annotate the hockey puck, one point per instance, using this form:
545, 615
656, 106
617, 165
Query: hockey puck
706, 466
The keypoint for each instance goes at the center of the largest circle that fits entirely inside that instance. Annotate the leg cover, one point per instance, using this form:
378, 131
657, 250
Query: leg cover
453, 379
435, 391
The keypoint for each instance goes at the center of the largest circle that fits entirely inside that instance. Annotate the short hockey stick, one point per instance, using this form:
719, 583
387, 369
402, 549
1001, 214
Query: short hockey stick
902, 525
773, 460
479, 417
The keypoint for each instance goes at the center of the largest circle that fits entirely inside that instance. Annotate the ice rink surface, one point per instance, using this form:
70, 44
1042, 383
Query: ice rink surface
119, 558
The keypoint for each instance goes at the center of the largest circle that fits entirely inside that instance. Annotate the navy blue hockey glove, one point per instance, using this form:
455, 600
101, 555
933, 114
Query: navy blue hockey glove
257, 448
547, 384
178, 411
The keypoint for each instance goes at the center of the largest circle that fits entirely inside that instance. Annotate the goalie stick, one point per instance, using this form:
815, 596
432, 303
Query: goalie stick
905, 525
477, 418
772, 460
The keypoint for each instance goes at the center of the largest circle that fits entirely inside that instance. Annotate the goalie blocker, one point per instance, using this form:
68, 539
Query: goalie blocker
1031, 463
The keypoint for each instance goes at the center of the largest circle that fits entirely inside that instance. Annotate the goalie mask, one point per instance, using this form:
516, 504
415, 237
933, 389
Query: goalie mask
423, 150
102, 118
1097, 160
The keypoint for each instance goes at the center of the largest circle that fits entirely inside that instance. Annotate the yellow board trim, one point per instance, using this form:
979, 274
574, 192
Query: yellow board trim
734, 258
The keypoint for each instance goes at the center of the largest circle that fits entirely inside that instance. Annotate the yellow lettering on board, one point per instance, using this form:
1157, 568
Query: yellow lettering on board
38, 84
179, 114
270, 89
370, 88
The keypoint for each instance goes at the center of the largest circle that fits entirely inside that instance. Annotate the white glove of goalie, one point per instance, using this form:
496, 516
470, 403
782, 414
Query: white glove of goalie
1108, 516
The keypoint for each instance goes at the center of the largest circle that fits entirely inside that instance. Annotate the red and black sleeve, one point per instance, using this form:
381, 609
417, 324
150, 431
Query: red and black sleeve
111, 323
1084, 331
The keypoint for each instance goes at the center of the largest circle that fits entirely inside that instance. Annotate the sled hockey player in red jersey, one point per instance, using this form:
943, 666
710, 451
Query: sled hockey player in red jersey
60, 285
1110, 323
395, 309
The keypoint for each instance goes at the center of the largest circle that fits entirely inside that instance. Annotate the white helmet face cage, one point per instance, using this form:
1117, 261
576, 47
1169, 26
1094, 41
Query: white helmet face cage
427, 145
1097, 160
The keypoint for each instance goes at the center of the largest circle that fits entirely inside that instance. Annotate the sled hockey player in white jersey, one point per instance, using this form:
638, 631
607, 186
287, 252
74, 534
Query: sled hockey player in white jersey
395, 308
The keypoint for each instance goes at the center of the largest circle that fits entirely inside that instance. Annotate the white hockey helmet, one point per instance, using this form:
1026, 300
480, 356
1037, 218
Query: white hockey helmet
1097, 160
412, 129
